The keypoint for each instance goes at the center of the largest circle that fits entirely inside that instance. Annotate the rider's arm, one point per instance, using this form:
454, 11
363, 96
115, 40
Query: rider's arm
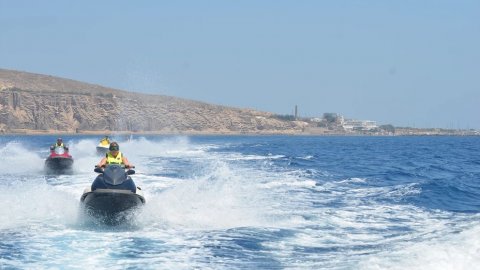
126, 162
102, 162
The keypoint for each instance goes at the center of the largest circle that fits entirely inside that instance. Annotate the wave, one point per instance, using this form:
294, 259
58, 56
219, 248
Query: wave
35, 203
457, 250
211, 202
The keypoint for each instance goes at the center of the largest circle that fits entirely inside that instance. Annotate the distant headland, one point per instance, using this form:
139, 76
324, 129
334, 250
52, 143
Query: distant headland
41, 104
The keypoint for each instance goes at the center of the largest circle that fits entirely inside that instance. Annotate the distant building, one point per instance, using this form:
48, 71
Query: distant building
316, 119
354, 125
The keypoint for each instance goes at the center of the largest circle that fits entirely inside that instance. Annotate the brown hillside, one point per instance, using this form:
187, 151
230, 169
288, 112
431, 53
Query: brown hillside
40, 103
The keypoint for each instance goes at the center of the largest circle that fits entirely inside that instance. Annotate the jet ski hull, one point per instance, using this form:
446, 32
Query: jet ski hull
59, 164
111, 206
102, 149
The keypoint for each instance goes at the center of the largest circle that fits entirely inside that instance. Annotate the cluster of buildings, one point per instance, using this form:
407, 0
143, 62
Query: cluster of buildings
333, 123
359, 125
348, 125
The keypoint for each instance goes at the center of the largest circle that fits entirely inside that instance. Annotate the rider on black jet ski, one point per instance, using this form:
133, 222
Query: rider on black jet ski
114, 156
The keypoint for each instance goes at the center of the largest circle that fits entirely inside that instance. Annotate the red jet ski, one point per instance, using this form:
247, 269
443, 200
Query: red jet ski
59, 161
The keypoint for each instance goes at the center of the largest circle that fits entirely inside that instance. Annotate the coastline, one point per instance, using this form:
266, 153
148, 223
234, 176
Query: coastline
75, 108
29, 132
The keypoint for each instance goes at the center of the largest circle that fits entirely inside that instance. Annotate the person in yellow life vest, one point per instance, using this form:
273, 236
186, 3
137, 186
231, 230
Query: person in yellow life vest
59, 143
114, 156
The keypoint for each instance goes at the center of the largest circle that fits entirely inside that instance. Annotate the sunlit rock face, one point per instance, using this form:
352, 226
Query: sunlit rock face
39, 103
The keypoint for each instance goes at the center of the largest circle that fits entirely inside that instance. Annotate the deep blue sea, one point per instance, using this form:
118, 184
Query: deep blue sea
250, 202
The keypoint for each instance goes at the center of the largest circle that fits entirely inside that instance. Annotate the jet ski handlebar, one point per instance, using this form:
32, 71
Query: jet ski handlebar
101, 169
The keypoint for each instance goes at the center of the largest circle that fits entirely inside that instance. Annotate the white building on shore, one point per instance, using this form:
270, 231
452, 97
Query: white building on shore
355, 125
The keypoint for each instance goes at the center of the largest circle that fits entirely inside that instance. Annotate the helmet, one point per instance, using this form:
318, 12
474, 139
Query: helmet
114, 147
59, 139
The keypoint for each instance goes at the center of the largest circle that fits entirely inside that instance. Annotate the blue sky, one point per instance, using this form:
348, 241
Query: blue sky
406, 63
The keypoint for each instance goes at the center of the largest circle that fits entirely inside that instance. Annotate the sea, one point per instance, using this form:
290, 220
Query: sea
250, 202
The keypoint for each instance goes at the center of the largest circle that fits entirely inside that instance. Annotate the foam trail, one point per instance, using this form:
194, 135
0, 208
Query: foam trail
453, 251
176, 146
220, 199
31, 202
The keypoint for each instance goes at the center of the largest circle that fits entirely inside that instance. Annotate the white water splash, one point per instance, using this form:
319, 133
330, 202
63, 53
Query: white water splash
449, 252
16, 159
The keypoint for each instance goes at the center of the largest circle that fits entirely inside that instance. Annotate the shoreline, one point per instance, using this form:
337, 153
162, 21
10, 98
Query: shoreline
28, 132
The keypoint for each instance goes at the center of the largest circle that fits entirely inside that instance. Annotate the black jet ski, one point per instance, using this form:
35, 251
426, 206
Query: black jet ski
113, 196
59, 161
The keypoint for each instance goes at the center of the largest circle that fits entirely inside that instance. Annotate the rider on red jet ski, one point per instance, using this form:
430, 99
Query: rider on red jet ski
59, 143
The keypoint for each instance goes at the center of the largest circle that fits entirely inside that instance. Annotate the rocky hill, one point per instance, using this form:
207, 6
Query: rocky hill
34, 103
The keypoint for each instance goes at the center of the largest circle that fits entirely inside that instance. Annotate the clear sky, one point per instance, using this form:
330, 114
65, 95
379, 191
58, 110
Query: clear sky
404, 62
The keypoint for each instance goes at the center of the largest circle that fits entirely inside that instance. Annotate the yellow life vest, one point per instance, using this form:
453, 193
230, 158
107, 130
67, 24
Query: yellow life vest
114, 160
56, 145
